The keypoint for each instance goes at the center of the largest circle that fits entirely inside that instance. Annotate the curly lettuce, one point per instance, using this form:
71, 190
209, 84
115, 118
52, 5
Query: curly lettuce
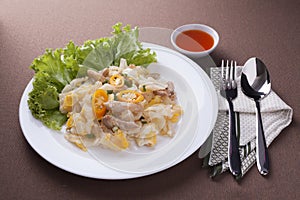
57, 68
52, 73
123, 44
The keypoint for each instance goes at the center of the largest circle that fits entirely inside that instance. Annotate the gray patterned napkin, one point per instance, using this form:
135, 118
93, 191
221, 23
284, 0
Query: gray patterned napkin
276, 115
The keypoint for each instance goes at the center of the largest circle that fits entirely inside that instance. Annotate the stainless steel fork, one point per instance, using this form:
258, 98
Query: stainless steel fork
229, 92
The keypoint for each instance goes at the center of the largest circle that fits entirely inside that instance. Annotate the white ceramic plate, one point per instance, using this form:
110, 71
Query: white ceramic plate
195, 94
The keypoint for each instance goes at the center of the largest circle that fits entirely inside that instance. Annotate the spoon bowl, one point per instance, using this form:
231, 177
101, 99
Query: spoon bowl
256, 84
255, 79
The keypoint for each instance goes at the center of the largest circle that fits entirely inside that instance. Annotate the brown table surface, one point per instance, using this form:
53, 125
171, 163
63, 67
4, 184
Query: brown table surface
266, 29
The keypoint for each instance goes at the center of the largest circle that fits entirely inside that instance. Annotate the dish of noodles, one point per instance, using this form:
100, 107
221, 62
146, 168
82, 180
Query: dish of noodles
120, 100
175, 94
119, 107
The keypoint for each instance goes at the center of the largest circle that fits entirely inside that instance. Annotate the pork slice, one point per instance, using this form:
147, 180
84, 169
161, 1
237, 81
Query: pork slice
98, 76
156, 76
110, 121
168, 92
119, 106
170, 86
125, 111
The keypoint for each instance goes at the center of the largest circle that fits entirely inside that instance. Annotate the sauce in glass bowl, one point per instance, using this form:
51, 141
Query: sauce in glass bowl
194, 40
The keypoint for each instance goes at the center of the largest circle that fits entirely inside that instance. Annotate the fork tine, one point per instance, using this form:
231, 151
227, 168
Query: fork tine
231, 70
227, 70
222, 70
234, 70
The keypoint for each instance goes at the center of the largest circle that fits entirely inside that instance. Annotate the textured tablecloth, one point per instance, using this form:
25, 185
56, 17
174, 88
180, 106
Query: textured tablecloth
266, 29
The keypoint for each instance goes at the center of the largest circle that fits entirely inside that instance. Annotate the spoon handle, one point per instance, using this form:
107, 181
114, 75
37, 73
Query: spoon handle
233, 146
262, 157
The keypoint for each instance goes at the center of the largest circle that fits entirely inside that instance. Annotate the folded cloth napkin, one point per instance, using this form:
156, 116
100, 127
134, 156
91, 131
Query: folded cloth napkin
276, 115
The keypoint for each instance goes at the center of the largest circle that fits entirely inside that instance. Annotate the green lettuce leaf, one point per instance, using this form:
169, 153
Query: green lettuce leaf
43, 103
142, 57
53, 71
57, 68
123, 44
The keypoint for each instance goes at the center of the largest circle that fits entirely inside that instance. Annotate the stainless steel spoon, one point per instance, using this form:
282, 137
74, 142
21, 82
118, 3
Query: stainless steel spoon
256, 84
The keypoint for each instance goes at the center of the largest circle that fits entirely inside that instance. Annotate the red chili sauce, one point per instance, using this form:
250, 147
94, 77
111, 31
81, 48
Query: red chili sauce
194, 40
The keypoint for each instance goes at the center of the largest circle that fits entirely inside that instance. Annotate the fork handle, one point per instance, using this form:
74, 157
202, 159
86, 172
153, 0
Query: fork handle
234, 159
